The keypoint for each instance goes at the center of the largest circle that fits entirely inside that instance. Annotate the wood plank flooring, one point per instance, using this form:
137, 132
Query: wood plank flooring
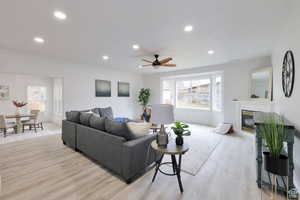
44, 169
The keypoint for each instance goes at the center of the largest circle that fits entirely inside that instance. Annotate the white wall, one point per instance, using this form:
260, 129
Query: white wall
18, 84
289, 107
236, 86
79, 81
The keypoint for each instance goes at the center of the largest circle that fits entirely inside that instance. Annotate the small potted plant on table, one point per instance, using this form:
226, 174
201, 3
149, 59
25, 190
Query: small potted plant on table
180, 129
18, 105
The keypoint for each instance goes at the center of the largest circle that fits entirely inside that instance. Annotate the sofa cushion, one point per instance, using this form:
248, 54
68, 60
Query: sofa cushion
118, 128
73, 116
139, 129
85, 118
106, 112
97, 122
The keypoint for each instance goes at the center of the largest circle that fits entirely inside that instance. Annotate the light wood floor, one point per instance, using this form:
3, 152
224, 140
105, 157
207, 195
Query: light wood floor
49, 129
44, 169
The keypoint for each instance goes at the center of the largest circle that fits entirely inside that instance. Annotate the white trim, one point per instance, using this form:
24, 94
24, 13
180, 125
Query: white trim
183, 76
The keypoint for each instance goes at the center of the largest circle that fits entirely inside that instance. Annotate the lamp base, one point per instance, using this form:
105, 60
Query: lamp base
162, 138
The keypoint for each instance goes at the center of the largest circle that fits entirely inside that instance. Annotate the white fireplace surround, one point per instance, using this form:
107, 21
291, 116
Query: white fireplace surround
263, 106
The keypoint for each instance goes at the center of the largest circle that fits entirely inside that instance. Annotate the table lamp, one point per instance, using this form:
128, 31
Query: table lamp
162, 114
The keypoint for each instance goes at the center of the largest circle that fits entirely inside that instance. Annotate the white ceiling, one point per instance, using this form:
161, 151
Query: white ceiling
234, 29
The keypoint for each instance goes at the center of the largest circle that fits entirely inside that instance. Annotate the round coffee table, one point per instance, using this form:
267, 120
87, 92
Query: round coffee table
173, 150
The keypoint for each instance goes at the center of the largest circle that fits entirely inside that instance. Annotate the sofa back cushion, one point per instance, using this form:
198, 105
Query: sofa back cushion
118, 128
85, 118
73, 116
106, 112
97, 122
139, 129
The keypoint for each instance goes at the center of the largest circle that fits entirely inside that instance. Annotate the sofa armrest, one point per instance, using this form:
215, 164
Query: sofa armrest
137, 156
68, 135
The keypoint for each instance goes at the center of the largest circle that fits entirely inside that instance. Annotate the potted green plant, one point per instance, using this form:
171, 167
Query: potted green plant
143, 99
273, 132
180, 129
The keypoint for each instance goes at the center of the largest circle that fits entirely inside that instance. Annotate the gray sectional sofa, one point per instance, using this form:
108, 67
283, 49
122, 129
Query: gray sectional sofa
105, 141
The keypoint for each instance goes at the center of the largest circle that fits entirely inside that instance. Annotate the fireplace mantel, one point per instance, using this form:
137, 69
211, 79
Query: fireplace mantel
263, 106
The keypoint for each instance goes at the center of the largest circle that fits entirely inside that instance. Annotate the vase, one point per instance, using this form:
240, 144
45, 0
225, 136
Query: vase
179, 140
146, 116
276, 165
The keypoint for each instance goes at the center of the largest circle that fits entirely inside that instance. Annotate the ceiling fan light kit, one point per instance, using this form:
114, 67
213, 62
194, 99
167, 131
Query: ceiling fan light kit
158, 63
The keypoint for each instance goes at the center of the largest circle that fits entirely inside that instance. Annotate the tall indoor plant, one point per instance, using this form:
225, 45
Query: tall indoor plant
143, 99
180, 129
273, 132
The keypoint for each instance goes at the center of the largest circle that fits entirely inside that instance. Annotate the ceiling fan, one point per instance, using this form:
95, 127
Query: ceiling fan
157, 63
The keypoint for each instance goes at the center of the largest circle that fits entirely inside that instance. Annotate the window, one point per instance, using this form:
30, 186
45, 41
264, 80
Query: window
197, 92
167, 93
36, 96
193, 94
217, 93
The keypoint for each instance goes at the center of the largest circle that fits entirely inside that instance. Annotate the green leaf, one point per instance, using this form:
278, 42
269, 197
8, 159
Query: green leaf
180, 129
273, 132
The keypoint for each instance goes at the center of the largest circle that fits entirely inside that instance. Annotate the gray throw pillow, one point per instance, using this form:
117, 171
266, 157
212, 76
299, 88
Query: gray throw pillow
96, 111
107, 112
88, 110
118, 128
85, 118
73, 116
97, 122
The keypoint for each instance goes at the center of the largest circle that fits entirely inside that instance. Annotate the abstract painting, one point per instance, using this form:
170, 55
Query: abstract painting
103, 88
4, 92
123, 89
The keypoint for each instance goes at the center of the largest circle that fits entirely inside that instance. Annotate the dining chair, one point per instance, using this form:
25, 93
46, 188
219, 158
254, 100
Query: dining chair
32, 112
34, 121
5, 126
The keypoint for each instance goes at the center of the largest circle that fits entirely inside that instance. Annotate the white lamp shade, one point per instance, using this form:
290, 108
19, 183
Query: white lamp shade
162, 114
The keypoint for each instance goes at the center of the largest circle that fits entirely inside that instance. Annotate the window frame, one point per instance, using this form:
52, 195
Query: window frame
211, 76
46, 96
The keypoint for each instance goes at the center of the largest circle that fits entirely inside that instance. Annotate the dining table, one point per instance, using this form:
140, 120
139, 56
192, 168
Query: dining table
18, 118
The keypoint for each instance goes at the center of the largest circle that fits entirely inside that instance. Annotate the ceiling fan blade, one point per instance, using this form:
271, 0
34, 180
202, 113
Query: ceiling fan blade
147, 65
169, 65
147, 60
163, 61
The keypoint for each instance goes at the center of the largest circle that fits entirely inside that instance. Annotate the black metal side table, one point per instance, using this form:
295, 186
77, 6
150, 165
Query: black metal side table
173, 150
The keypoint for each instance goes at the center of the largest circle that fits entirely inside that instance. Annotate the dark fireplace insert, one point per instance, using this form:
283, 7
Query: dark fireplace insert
248, 121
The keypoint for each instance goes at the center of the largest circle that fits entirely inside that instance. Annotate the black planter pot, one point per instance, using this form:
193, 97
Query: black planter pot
278, 166
179, 140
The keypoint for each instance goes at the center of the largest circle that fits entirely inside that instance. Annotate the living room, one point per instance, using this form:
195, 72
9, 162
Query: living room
84, 57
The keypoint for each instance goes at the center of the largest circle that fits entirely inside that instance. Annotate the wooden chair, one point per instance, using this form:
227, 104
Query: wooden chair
34, 121
5, 126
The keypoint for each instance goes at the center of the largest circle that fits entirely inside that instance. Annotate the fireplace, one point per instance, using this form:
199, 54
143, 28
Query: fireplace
248, 120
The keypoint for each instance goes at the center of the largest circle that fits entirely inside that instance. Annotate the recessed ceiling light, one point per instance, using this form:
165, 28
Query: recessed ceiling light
105, 57
39, 40
211, 52
188, 28
136, 47
60, 15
